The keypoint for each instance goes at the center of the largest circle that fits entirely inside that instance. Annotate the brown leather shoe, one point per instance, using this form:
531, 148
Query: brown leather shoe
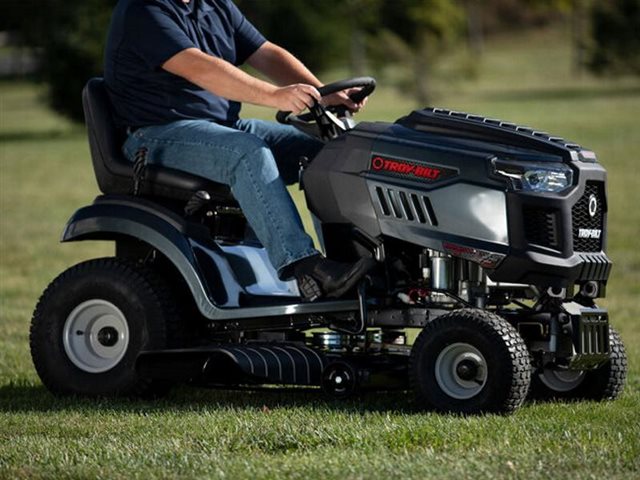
318, 276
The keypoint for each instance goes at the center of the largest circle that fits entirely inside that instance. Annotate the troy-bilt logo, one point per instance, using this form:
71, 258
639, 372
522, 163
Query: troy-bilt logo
589, 233
425, 172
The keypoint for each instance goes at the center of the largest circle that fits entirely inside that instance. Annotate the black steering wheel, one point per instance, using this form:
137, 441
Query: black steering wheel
324, 122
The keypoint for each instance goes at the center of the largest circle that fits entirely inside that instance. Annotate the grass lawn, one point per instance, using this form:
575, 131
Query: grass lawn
45, 174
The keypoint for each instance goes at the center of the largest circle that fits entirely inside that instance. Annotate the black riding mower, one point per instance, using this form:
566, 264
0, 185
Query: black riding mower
489, 244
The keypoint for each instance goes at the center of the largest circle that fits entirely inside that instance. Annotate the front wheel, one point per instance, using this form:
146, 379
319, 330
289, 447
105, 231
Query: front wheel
92, 322
470, 361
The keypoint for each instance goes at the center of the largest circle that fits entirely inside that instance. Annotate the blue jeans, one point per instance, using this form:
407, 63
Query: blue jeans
255, 158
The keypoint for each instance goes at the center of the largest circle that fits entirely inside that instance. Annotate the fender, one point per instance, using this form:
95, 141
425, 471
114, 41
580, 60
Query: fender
111, 217
114, 216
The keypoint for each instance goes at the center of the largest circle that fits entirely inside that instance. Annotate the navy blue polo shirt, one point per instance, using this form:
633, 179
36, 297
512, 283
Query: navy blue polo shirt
146, 33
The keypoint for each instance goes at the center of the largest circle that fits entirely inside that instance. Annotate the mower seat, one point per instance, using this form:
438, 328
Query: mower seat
114, 173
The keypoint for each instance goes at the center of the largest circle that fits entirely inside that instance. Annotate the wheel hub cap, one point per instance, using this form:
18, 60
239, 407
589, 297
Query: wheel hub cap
461, 371
108, 336
95, 336
467, 370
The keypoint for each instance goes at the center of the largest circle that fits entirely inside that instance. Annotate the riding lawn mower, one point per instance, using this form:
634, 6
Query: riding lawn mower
489, 244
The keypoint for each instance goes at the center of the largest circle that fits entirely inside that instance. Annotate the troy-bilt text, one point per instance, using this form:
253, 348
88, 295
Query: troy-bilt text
404, 168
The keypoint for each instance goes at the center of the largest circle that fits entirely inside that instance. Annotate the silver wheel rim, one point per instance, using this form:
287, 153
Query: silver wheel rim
562, 380
95, 336
461, 371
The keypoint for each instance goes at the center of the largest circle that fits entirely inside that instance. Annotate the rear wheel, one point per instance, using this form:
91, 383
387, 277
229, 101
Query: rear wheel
603, 383
91, 323
470, 361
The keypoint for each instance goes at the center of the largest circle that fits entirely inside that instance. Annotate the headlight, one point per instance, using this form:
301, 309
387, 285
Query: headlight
535, 177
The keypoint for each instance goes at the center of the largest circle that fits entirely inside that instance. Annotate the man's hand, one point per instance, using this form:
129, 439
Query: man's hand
342, 98
285, 69
295, 98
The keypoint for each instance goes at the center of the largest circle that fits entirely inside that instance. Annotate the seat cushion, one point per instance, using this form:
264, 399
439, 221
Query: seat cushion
114, 173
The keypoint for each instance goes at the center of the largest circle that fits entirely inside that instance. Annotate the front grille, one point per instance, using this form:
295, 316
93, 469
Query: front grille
588, 217
541, 226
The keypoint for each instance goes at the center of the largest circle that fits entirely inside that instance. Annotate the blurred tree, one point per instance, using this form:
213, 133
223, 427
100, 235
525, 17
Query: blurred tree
418, 32
73, 52
616, 37
578, 11
316, 31
490, 16
475, 31
69, 40
323, 33
364, 20
508, 15
580, 36
11, 13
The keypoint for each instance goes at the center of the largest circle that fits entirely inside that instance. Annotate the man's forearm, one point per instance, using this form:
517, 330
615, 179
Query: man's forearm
281, 66
226, 80
285, 69
220, 77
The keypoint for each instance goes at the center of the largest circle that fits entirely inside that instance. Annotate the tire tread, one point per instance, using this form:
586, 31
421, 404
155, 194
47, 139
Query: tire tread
500, 329
135, 276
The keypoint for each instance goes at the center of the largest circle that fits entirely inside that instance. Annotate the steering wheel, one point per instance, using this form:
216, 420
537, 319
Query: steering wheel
324, 122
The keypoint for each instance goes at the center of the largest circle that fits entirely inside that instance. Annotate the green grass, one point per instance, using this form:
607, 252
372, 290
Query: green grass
45, 174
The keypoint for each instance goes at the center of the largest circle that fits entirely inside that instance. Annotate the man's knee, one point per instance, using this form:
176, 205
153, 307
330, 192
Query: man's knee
258, 162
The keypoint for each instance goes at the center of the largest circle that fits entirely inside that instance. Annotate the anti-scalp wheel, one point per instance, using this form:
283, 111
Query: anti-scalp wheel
340, 379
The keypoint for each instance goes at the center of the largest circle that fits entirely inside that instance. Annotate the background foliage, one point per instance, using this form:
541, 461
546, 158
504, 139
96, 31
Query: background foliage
69, 37
408, 38
616, 37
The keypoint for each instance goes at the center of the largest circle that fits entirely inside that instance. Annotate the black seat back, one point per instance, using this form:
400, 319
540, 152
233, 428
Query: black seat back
114, 173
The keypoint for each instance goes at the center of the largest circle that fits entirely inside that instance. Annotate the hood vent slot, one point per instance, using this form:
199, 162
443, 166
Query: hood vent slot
405, 206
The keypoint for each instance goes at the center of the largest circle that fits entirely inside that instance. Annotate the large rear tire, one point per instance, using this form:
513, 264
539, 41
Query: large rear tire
92, 322
470, 361
604, 383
